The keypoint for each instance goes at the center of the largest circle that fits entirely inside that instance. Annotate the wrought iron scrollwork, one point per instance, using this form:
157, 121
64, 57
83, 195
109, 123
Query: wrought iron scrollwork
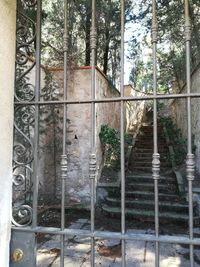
23, 149
30, 3
23, 146
22, 215
26, 34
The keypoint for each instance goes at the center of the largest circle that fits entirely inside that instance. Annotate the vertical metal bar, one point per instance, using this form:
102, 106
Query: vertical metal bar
156, 156
190, 157
36, 126
37, 99
92, 162
122, 118
64, 156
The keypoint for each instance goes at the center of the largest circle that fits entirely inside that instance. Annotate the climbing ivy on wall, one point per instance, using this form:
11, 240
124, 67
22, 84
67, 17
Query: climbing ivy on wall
111, 144
177, 140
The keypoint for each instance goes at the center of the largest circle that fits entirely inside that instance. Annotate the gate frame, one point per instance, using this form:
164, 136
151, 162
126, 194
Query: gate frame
123, 236
7, 70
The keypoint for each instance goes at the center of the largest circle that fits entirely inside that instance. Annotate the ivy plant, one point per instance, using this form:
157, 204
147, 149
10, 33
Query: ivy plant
110, 139
177, 140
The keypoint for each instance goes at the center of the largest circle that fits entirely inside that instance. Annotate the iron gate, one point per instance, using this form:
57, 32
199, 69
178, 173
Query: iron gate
28, 104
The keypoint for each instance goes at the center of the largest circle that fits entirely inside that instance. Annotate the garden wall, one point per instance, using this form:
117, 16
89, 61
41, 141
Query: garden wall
179, 111
78, 135
135, 110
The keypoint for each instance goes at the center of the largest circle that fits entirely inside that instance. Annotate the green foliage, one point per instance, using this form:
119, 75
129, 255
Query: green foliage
110, 138
108, 28
127, 139
160, 106
170, 48
177, 140
111, 141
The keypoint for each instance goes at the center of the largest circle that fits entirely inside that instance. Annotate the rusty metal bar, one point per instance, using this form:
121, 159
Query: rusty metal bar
156, 156
190, 165
122, 120
92, 159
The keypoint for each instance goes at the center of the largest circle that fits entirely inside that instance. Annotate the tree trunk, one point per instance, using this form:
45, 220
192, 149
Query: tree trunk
87, 38
106, 53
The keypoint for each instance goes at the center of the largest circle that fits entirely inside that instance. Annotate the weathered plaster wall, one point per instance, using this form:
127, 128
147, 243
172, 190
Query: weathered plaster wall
78, 133
179, 110
7, 56
135, 110
106, 113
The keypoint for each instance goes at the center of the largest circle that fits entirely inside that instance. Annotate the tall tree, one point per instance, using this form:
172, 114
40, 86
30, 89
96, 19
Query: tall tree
108, 33
171, 47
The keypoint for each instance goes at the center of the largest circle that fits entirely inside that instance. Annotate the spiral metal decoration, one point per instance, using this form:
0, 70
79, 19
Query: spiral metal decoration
23, 149
30, 3
25, 52
22, 216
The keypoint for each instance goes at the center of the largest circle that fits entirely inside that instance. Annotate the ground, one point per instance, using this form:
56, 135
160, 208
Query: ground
108, 252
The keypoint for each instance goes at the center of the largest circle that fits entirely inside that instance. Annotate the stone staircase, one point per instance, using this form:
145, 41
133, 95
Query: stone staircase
139, 184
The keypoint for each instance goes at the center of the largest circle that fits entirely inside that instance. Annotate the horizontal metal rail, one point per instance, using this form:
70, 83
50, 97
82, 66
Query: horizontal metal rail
176, 239
114, 99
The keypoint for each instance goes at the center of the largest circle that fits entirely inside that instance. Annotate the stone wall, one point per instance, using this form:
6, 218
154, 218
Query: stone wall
78, 135
135, 110
179, 111
7, 70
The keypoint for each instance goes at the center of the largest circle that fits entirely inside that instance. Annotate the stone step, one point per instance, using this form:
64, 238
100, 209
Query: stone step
150, 195
148, 159
148, 139
149, 150
149, 130
149, 205
148, 178
141, 159
140, 194
150, 127
149, 133
148, 215
149, 187
145, 150
145, 156
142, 154
140, 163
139, 185
150, 145
147, 169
